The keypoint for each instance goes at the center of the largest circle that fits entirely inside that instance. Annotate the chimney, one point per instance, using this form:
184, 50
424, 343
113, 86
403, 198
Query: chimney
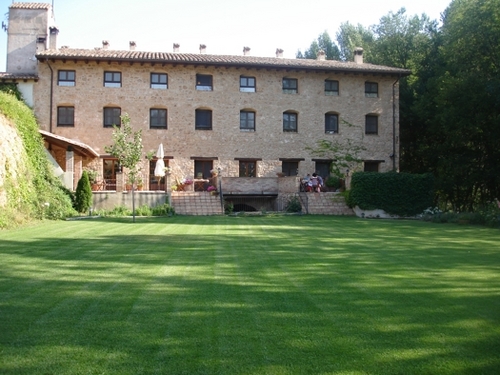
176, 47
279, 52
53, 37
132, 45
203, 48
358, 55
321, 55
105, 44
246, 51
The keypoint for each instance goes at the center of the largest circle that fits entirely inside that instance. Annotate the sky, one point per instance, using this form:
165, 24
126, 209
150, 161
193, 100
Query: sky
224, 26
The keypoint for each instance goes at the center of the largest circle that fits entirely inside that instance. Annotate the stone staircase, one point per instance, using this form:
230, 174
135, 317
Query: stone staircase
195, 203
325, 204
204, 203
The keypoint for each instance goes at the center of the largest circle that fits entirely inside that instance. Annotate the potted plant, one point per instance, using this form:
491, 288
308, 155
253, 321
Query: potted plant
92, 174
140, 184
212, 190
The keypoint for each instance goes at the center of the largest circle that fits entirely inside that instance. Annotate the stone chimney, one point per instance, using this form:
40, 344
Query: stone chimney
53, 31
105, 44
246, 51
176, 47
203, 48
358, 55
279, 52
132, 45
321, 55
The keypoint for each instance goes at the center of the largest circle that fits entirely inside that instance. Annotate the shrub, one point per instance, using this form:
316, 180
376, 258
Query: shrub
143, 210
396, 193
228, 208
83, 194
333, 182
163, 210
293, 205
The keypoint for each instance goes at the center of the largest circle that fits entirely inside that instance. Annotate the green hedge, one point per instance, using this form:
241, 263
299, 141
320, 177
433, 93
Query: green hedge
401, 194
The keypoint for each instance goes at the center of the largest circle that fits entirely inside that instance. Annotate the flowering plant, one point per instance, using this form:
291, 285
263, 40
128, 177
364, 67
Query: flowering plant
214, 171
187, 181
211, 188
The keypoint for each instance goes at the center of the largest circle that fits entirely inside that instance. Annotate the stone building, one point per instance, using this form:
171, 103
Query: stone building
246, 116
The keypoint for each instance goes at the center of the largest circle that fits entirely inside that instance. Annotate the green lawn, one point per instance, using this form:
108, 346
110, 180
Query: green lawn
249, 295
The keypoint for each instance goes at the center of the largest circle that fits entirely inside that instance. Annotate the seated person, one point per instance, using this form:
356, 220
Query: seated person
317, 182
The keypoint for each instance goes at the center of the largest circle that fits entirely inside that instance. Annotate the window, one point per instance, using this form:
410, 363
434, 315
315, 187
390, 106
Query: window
289, 122
323, 168
159, 81
112, 117
371, 124
290, 168
331, 123
157, 118
247, 84
112, 79
371, 89
203, 119
331, 87
203, 82
203, 168
65, 116
290, 85
247, 121
248, 168
66, 78
371, 166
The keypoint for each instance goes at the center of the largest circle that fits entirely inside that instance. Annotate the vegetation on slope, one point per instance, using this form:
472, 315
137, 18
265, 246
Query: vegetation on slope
32, 191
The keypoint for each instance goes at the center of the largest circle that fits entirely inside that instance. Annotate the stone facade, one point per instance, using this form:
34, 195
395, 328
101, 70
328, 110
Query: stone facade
225, 144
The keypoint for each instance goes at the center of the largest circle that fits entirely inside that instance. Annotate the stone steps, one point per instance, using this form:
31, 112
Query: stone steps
195, 203
204, 203
326, 204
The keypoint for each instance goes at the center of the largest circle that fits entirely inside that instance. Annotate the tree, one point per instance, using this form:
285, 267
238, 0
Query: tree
127, 148
324, 43
468, 100
83, 194
349, 37
343, 155
400, 39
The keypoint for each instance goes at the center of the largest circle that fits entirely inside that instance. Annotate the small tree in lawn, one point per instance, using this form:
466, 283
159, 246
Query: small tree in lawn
83, 194
127, 148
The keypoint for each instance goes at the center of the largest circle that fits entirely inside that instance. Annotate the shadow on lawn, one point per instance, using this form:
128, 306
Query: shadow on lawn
310, 297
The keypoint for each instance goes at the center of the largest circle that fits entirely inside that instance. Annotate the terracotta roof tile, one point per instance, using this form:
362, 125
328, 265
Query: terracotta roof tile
17, 76
223, 60
29, 6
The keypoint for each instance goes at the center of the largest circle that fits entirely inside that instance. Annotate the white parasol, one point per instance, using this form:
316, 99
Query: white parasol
160, 164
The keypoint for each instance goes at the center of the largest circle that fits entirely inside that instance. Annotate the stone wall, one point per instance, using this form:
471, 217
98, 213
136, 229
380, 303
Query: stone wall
225, 143
108, 200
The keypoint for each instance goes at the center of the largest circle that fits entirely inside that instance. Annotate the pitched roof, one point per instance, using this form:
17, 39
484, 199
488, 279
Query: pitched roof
79, 147
165, 58
17, 76
29, 6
